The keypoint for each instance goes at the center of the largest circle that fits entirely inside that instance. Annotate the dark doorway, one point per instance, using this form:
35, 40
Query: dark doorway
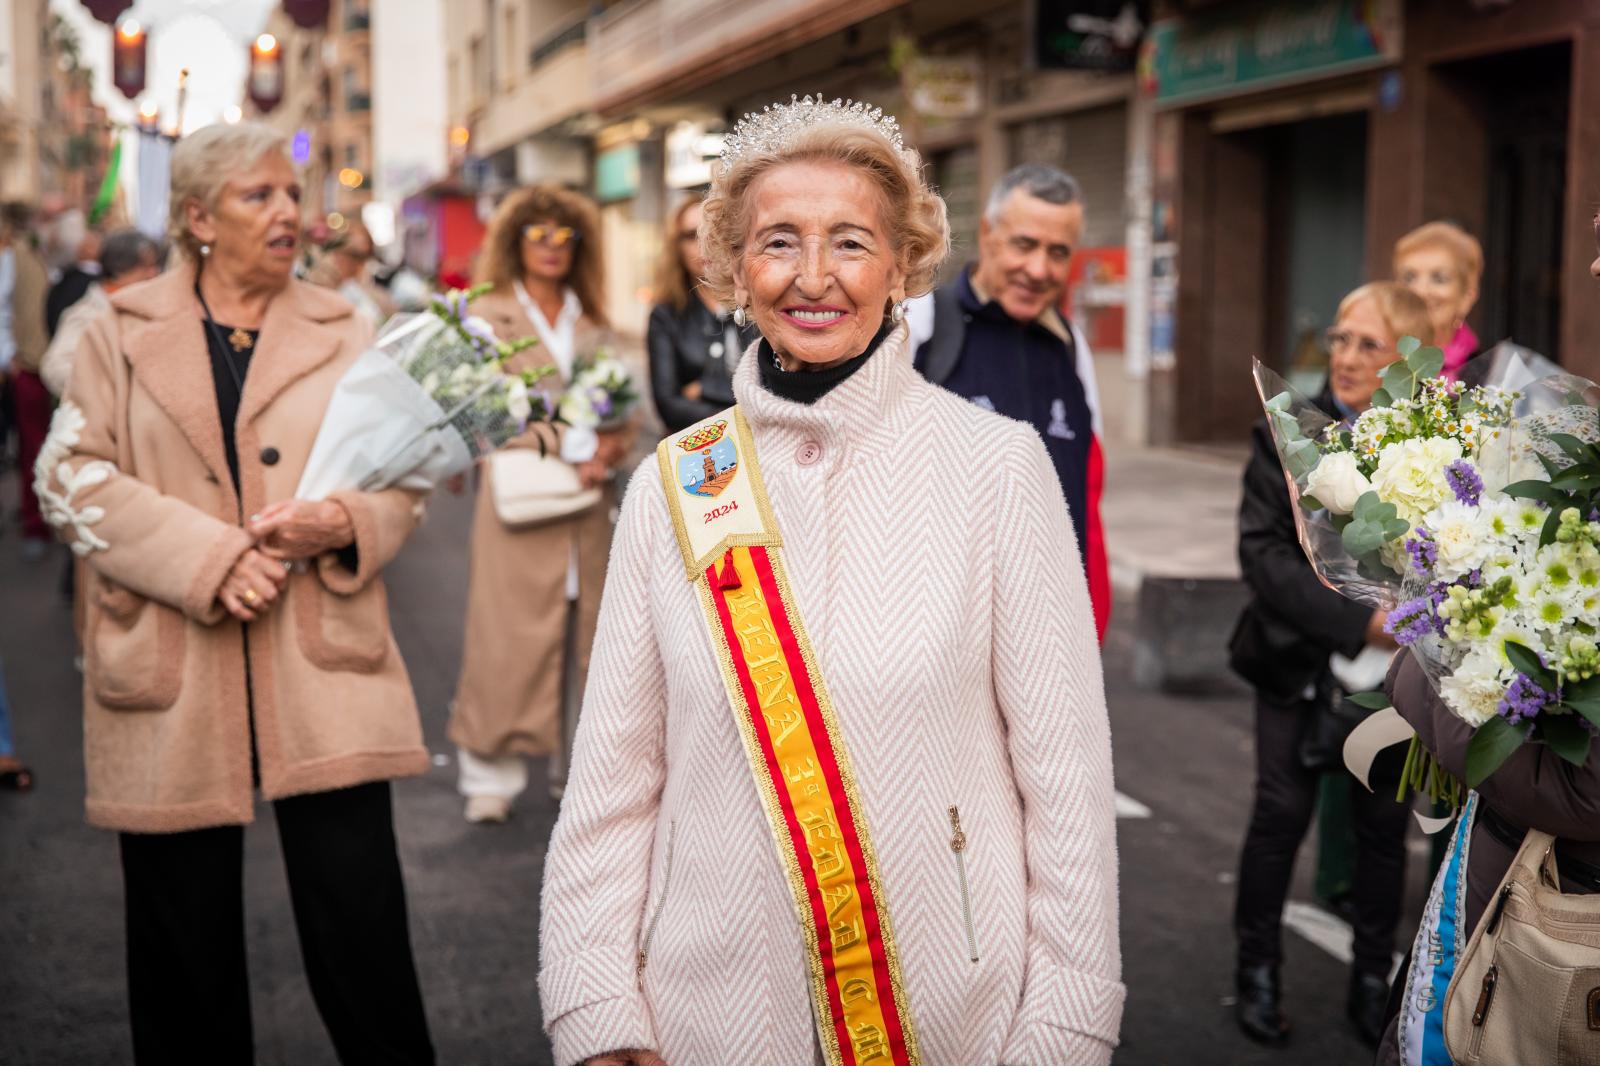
1522, 99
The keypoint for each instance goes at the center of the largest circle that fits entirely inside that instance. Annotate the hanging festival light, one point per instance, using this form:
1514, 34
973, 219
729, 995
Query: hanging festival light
266, 73
307, 14
107, 11
127, 58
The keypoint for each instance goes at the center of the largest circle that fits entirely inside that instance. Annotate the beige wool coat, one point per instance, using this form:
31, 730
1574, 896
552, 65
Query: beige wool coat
134, 477
508, 700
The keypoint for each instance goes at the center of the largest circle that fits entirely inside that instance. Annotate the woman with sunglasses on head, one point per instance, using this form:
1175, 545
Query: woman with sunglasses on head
693, 342
534, 592
1288, 646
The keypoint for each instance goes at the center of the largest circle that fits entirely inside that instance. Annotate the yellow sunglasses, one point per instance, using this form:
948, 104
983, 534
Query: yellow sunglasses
551, 236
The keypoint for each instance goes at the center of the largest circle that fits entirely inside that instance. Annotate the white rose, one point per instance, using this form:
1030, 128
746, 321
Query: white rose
517, 401
1337, 482
1410, 475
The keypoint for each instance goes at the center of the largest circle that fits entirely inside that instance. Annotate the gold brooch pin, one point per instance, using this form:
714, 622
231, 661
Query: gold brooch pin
241, 341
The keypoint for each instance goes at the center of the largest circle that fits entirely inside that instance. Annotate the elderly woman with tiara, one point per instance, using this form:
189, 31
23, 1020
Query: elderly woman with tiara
841, 790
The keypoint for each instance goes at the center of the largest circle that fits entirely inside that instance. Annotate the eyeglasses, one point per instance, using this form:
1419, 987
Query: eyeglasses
1342, 340
551, 236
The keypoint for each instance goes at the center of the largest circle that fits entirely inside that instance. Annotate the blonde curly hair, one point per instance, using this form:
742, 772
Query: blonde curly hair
913, 213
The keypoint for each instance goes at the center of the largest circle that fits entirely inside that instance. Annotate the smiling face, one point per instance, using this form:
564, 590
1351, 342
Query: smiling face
1433, 274
818, 268
1359, 346
1025, 253
254, 228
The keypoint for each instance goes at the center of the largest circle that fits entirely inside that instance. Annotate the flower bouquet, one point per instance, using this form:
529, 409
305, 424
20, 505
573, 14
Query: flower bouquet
598, 398
427, 399
1469, 513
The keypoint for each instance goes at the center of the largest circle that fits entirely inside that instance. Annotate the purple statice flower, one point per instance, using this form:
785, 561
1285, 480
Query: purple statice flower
1464, 482
1474, 579
600, 400
479, 333
459, 305
1423, 551
1415, 619
1524, 699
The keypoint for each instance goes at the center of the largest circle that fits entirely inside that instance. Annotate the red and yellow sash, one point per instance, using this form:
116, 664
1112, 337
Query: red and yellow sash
792, 738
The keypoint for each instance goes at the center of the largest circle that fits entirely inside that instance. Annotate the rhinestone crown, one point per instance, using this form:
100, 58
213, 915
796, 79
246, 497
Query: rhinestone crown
770, 129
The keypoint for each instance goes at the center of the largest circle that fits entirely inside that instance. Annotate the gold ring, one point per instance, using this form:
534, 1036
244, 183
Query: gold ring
250, 596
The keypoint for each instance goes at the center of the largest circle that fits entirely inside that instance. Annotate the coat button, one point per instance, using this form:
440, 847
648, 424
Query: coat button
809, 453
269, 456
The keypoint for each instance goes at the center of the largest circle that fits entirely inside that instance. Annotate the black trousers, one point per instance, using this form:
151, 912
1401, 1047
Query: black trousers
188, 989
1285, 799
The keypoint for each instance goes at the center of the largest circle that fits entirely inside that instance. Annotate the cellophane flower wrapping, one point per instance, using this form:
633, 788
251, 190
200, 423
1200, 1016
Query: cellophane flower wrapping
428, 398
1468, 513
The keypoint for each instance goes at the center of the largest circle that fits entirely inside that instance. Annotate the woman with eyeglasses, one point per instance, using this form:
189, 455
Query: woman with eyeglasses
1298, 644
534, 590
693, 342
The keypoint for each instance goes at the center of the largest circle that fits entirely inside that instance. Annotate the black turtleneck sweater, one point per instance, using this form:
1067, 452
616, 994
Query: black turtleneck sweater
809, 386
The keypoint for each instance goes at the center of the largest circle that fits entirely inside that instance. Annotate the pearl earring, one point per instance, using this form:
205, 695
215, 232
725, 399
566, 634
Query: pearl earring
205, 251
739, 317
897, 313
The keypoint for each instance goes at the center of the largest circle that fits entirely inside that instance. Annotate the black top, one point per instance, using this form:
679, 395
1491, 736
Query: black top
690, 344
1294, 622
809, 386
72, 287
1023, 371
225, 364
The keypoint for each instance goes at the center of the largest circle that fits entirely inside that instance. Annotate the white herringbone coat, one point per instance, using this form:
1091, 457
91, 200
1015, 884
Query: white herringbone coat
933, 562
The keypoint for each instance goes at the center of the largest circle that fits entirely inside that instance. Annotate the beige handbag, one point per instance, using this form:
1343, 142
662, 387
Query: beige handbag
530, 489
1527, 990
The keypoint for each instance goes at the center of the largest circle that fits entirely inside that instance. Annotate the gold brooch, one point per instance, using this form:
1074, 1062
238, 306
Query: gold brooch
241, 341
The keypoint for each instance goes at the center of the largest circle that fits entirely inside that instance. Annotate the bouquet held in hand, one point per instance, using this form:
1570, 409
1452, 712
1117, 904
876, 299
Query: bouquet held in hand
427, 399
1471, 514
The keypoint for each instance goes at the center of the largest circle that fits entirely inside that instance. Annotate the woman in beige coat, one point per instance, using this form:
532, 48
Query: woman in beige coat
237, 637
534, 594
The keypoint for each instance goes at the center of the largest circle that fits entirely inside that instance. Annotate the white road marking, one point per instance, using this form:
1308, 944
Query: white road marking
1128, 807
1327, 931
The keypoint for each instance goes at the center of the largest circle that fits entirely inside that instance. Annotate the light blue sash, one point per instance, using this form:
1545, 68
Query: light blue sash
1441, 939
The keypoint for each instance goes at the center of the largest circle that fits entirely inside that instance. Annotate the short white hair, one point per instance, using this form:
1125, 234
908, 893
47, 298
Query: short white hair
1039, 180
203, 162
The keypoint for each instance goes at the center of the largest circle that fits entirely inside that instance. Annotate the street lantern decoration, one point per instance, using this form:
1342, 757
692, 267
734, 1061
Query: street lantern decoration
307, 14
127, 58
266, 73
107, 11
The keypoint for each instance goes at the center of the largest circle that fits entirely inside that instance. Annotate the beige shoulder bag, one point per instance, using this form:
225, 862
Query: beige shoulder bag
1528, 987
531, 489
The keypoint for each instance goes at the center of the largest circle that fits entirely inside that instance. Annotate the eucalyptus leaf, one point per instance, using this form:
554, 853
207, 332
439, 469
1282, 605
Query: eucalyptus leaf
1491, 745
1362, 537
1566, 737
1426, 362
1381, 398
1407, 345
1300, 457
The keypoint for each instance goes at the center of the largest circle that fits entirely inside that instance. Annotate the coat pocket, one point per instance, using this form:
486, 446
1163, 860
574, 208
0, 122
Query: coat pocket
958, 845
135, 651
341, 633
661, 900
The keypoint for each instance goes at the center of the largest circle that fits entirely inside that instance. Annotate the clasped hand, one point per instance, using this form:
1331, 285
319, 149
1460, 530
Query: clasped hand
285, 533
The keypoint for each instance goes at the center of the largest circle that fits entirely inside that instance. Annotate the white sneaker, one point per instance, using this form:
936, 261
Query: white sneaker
488, 809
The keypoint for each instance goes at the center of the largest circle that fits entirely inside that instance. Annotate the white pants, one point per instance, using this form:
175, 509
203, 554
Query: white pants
505, 776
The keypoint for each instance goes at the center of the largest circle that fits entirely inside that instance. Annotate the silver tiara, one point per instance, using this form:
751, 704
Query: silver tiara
769, 130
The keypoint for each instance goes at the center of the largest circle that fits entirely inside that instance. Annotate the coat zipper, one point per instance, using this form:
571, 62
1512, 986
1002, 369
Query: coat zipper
958, 844
1480, 1013
661, 900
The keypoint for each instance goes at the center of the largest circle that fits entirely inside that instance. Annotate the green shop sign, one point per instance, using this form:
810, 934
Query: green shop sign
1254, 46
616, 173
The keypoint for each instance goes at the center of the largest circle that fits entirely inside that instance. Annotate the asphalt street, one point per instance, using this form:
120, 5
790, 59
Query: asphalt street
1183, 768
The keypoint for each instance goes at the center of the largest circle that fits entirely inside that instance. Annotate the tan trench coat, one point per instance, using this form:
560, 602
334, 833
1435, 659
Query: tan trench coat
135, 478
509, 697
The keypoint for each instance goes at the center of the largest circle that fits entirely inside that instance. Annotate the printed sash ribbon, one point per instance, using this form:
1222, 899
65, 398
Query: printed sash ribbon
796, 751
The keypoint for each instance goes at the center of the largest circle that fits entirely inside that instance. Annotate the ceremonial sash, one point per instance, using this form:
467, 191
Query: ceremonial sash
796, 750
1435, 953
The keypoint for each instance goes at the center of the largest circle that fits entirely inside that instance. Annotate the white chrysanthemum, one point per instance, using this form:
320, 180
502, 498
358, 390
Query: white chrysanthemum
1337, 482
1474, 689
576, 409
1410, 475
1463, 538
518, 403
1527, 520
